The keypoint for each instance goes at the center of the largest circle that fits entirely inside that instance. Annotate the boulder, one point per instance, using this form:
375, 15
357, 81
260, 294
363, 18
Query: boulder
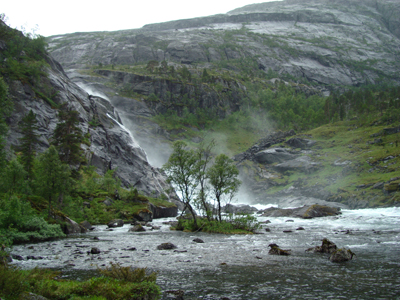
95, 250
166, 246
391, 187
197, 240
301, 164
86, 225
275, 250
326, 247
163, 212
71, 227
341, 255
239, 209
137, 228
145, 216
305, 212
273, 155
300, 143
115, 223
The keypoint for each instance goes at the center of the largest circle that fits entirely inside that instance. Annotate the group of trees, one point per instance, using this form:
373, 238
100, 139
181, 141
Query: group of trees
364, 101
27, 175
197, 180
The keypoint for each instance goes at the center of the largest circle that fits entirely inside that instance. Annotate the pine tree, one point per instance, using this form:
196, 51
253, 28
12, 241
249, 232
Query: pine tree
68, 137
28, 141
52, 176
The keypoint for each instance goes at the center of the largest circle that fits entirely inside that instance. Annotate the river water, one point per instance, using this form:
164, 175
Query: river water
239, 266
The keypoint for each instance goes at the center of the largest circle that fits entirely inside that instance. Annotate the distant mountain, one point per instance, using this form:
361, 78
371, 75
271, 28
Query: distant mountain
326, 43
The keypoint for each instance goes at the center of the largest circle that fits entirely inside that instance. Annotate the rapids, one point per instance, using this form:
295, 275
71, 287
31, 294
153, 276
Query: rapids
238, 266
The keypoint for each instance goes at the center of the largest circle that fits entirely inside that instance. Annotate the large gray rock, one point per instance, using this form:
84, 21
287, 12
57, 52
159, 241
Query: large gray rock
305, 212
300, 143
274, 155
239, 209
303, 164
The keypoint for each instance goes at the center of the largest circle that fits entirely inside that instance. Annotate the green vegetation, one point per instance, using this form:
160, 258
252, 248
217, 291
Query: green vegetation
353, 156
24, 56
114, 283
201, 184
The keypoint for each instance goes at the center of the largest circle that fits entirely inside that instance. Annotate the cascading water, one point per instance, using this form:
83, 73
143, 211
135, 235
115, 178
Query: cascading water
133, 142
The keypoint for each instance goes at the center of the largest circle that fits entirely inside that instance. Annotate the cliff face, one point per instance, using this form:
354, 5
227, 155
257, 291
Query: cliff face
326, 42
109, 145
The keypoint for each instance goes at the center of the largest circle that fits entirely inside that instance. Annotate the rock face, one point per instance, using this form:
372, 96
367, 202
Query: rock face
110, 146
327, 42
305, 212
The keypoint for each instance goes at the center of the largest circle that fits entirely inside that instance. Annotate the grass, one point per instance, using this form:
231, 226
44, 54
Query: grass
350, 141
133, 284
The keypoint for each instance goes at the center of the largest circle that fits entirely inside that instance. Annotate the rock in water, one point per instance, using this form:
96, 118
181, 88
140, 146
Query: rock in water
115, 223
341, 255
137, 228
166, 246
275, 250
95, 250
197, 240
326, 247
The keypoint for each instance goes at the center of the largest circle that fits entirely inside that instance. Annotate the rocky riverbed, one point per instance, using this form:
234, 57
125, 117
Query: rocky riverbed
239, 266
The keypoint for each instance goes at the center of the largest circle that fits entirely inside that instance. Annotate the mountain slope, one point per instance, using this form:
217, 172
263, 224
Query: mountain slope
107, 144
323, 42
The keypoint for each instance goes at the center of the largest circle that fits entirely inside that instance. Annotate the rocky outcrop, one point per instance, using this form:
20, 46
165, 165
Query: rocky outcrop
163, 212
326, 42
341, 255
305, 212
326, 247
239, 209
174, 94
300, 164
274, 155
109, 145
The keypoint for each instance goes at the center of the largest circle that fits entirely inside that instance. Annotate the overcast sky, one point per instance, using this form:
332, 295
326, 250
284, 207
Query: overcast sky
53, 17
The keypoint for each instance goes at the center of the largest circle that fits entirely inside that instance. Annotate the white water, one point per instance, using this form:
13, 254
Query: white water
132, 142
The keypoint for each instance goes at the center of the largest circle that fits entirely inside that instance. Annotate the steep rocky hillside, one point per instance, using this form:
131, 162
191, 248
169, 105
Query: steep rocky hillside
107, 144
321, 42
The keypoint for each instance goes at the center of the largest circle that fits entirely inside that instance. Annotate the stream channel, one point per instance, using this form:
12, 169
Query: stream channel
239, 266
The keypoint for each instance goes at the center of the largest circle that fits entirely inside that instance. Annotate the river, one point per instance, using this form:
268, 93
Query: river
239, 266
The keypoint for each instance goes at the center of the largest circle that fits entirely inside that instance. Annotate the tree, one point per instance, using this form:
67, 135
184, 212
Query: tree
223, 179
68, 137
52, 176
13, 180
203, 154
5, 110
29, 140
180, 169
